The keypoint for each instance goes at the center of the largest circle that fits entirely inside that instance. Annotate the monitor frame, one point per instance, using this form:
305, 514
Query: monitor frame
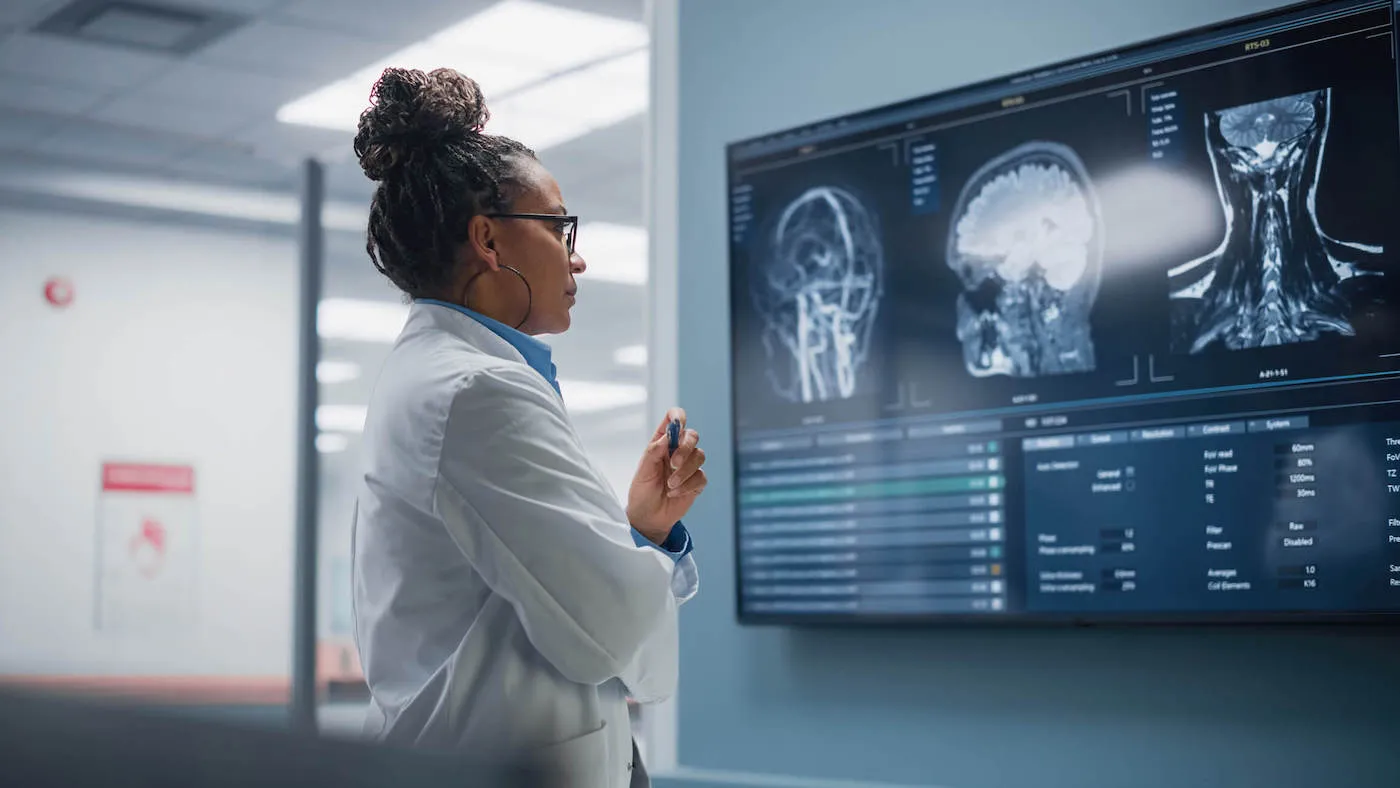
1007, 84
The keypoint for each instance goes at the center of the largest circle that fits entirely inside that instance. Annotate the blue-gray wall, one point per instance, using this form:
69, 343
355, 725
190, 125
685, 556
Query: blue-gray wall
966, 709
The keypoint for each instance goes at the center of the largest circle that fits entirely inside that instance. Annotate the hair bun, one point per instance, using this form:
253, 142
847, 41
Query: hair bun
411, 111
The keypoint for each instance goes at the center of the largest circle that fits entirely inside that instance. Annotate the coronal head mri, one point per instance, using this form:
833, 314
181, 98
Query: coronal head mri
1026, 241
819, 290
1277, 277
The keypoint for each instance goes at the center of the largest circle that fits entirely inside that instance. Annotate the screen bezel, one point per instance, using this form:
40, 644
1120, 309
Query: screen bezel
1016, 619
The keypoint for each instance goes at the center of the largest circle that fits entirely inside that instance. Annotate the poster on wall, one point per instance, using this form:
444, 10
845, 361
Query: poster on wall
147, 558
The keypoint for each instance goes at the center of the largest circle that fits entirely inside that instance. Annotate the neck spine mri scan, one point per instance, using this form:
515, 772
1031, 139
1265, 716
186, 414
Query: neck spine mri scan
819, 293
1277, 277
1026, 241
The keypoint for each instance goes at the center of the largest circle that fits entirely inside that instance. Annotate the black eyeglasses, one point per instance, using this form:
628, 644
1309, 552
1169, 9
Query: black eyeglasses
568, 225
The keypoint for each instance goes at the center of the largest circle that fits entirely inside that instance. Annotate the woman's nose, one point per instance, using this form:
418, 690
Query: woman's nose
577, 264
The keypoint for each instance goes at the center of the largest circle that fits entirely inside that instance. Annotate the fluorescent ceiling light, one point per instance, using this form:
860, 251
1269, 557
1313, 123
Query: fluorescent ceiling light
581, 396
574, 104
359, 320
338, 105
550, 74
331, 442
331, 371
631, 356
614, 252
548, 37
341, 418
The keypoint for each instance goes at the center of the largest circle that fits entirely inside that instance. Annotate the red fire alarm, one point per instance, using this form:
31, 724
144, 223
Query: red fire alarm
58, 291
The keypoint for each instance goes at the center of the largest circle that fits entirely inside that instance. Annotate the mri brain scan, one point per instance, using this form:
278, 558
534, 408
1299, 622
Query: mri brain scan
1277, 277
818, 291
1027, 243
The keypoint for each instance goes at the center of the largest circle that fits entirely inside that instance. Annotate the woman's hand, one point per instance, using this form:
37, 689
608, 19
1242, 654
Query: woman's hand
665, 486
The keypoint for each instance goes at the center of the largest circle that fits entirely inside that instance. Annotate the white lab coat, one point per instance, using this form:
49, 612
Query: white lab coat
501, 604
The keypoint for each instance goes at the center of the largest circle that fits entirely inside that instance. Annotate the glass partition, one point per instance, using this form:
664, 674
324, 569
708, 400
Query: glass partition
146, 504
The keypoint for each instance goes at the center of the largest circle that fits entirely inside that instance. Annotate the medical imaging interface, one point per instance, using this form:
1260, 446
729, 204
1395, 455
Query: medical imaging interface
1114, 340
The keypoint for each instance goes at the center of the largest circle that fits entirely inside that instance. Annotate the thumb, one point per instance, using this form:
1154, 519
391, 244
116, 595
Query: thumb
656, 450
652, 466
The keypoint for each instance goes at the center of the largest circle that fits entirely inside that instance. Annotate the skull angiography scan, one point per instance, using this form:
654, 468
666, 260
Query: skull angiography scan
1027, 243
1277, 277
819, 291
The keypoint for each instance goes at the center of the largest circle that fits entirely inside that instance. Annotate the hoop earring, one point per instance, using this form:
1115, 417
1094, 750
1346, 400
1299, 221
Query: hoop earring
529, 294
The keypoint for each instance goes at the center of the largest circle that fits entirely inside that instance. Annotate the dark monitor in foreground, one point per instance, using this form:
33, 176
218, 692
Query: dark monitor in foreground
77, 743
1115, 340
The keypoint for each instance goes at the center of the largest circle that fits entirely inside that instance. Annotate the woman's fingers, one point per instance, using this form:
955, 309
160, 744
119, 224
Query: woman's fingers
690, 439
688, 459
674, 414
692, 486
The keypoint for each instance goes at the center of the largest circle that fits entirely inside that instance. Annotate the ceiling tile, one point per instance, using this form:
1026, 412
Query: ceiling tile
235, 167
20, 130
72, 62
411, 20
577, 170
22, 13
245, 7
106, 144
601, 156
316, 55
614, 198
43, 97
183, 118
200, 84
286, 142
345, 180
631, 10
621, 143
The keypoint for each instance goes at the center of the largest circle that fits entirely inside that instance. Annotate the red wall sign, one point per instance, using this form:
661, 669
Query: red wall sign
128, 477
58, 291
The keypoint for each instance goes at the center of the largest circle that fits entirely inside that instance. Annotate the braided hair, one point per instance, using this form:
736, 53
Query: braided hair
421, 139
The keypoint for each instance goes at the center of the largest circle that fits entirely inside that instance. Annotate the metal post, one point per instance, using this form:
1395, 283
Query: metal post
312, 248
662, 205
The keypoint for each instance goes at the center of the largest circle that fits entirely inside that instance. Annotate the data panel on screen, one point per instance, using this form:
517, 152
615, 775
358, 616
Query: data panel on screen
1114, 340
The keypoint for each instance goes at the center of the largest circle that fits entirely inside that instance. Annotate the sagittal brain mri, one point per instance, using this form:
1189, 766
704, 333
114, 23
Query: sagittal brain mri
819, 290
1276, 278
1026, 241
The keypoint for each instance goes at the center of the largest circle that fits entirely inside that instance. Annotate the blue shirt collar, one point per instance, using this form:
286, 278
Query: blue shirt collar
536, 353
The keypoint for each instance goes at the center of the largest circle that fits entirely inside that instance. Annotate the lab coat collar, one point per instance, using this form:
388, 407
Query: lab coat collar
536, 354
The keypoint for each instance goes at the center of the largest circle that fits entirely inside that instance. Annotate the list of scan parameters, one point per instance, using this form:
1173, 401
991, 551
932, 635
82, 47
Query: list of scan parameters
1264, 514
890, 520
1390, 439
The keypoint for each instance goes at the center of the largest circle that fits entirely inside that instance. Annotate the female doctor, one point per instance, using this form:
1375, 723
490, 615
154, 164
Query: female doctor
506, 603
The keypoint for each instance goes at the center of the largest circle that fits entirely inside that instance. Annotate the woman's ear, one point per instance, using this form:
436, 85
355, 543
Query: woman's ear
481, 241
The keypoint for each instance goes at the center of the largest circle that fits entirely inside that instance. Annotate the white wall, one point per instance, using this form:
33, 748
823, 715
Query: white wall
180, 346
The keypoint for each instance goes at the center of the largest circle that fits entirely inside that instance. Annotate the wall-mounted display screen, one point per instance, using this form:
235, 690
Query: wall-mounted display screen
1117, 339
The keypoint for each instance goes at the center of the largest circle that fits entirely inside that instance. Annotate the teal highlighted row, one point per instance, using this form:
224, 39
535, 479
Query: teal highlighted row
891, 489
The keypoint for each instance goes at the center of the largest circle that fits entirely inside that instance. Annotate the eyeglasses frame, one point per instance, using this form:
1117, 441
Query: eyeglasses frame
571, 236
